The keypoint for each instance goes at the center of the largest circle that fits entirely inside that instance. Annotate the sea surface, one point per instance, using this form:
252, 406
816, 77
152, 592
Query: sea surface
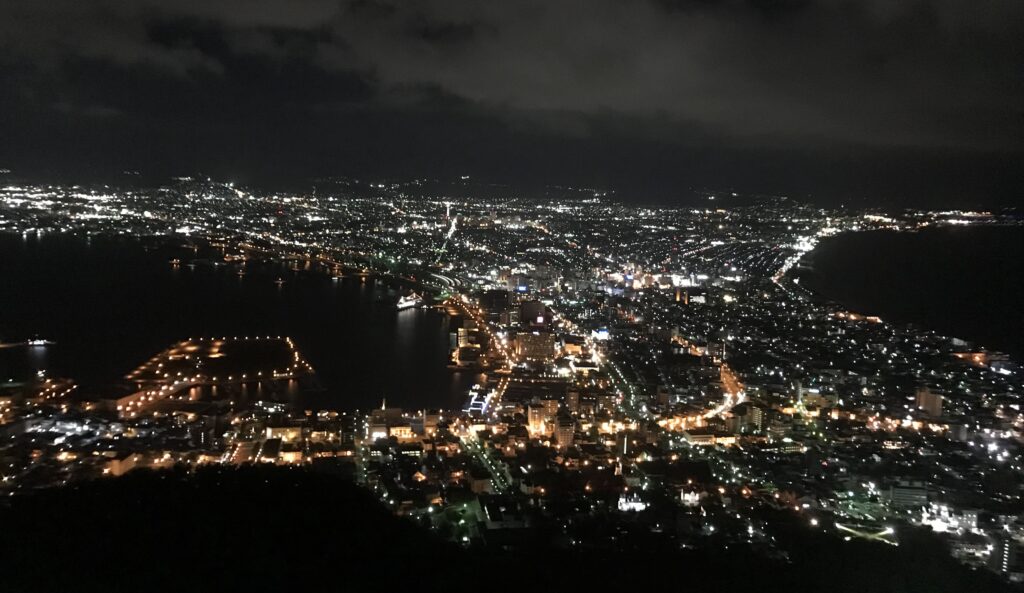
111, 303
965, 282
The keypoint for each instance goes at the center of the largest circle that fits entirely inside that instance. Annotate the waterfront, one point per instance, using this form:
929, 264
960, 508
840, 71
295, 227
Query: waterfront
646, 366
109, 304
964, 282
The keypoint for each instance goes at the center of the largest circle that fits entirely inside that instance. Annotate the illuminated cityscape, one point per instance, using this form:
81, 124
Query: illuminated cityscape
537, 295
633, 364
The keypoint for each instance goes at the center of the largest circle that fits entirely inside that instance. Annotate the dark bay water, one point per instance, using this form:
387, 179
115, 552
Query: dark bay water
110, 304
965, 282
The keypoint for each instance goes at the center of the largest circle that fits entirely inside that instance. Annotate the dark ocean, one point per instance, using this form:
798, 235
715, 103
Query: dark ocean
110, 304
965, 282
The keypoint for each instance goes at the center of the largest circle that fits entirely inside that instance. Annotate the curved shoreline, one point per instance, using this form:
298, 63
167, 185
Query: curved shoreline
811, 286
280, 315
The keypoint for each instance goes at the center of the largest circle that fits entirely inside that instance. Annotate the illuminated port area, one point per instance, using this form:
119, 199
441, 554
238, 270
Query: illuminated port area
213, 369
584, 296
637, 373
225, 360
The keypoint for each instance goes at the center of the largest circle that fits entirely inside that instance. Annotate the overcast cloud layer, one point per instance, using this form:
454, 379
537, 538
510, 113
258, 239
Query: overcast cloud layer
822, 96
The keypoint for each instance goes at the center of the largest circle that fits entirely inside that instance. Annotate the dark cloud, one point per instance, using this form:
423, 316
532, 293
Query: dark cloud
444, 34
802, 94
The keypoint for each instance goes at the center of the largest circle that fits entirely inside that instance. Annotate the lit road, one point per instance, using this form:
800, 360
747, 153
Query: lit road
884, 535
494, 342
498, 478
733, 396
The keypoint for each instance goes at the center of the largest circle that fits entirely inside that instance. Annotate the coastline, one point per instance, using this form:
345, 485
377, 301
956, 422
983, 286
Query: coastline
326, 333
822, 280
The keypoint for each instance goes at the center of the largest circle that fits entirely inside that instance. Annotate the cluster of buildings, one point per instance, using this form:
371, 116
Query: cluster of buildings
655, 370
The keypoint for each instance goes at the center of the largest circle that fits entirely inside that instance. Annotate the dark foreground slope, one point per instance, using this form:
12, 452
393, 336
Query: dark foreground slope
270, 529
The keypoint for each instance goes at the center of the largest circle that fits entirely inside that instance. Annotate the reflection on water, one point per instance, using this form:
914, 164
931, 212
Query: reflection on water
288, 391
110, 304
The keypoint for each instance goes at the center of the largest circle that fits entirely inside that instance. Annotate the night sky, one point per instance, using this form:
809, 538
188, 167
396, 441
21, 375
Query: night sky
892, 101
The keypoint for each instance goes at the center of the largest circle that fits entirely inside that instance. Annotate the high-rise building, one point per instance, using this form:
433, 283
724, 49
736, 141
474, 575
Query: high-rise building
534, 314
466, 336
749, 417
929, 402
1006, 557
662, 395
536, 346
535, 419
550, 408
565, 432
495, 303
908, 494
572, 400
